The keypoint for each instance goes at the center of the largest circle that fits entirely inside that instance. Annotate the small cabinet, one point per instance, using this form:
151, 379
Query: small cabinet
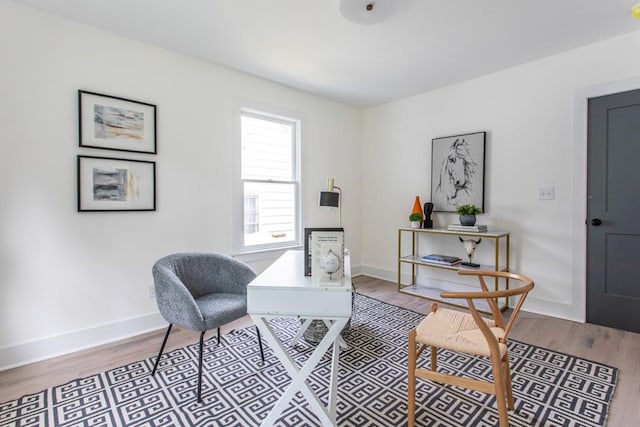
414, 276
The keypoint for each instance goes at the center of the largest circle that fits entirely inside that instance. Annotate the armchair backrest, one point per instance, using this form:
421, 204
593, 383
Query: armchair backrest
181, 278
206, 273
525, 285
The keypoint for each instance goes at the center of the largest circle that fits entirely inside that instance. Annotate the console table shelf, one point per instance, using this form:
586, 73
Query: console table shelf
430, 288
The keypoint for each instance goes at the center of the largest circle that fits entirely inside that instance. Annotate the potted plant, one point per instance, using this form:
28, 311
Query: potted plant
468, 214
415, 219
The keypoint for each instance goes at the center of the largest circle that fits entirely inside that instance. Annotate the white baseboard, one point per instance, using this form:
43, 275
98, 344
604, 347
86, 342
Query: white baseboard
35, 351
378, 273
550, 308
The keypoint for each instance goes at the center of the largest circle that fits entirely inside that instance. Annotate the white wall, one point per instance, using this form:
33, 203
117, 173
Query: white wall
70, 280
528, 113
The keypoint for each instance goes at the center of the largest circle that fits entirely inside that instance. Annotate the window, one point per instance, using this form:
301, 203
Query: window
269, 181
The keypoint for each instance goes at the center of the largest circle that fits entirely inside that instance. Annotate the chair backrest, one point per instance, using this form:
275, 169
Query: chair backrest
181, 278
491, 297
205, 273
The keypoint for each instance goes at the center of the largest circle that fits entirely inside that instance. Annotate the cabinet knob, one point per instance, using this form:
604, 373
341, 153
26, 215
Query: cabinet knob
596, 222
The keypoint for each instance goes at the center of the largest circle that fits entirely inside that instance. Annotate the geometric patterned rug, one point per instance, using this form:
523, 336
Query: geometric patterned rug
550, 388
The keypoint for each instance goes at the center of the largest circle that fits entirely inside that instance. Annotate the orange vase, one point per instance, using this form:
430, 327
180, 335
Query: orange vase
417, 206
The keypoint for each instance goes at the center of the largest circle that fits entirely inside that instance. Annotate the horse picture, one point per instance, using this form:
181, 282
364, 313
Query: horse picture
457, 176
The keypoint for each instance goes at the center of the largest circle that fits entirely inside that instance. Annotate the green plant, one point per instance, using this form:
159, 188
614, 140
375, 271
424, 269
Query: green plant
415, 217
468, 210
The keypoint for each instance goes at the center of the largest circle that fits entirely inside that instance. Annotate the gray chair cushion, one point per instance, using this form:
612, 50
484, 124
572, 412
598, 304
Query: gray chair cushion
220, 309
201, 291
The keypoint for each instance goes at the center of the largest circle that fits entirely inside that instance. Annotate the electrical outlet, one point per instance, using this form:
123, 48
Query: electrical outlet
152, 291
546, 193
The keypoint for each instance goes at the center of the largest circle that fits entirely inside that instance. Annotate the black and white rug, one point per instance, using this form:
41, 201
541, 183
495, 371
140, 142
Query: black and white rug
550, 388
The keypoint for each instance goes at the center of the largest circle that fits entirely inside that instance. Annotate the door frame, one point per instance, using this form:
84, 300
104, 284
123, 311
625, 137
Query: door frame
579, 187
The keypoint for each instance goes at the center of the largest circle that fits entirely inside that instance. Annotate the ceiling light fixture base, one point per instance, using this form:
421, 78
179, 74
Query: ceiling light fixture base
368, 12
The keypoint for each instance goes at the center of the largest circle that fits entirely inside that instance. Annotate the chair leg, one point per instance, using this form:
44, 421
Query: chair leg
434, 358
164, 342
218, 336
200, 367
411, 379
498, 384
508, 385
260, 343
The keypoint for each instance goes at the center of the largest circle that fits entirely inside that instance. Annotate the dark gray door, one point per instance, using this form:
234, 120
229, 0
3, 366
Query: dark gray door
613, 211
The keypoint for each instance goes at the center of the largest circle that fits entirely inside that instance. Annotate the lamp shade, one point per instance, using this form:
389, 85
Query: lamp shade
329, 198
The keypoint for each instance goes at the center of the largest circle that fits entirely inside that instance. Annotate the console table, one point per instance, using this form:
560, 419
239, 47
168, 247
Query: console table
431, 287
283, 290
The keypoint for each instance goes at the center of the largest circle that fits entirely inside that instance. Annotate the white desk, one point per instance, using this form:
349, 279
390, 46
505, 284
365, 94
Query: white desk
283, 290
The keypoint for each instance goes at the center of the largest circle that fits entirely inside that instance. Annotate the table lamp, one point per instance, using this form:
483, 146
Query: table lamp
331, 198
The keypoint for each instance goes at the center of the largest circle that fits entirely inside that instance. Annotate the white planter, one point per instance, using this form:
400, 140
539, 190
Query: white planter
415, 224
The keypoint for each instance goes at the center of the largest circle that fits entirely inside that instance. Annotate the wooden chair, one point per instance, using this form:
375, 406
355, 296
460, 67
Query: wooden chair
468, 332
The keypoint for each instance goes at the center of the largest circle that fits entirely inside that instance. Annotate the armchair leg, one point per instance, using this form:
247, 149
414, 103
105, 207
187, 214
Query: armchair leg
200, 367
434, 358
411, 379
164, 342
260, 343
218, 336
508, 385
499, 391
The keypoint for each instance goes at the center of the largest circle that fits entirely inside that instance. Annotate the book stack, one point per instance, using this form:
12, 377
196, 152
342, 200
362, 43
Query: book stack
327, 257
442, 259
468, 228
308, 245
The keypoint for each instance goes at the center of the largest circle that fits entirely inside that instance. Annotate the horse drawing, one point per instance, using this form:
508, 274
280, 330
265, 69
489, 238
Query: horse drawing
456, 173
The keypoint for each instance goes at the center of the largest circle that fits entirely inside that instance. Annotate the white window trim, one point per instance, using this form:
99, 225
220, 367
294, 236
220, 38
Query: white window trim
237, 228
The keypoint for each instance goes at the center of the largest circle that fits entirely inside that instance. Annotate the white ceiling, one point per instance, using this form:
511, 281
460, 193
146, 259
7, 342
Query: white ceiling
309, 45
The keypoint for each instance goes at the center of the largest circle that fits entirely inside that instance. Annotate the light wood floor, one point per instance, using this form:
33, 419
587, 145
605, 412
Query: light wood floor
610, 346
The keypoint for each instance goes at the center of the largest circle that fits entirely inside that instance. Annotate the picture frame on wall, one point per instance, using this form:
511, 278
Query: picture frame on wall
457, 171
108, 184
113, 123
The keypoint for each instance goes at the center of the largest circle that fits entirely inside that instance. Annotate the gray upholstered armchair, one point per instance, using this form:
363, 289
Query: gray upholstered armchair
201, 291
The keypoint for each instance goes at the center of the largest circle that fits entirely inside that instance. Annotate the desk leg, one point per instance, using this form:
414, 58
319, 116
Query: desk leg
299, 376
301, 332
333, 384
341, 341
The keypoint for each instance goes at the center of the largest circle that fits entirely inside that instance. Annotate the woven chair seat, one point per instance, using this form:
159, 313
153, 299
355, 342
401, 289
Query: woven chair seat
457, 331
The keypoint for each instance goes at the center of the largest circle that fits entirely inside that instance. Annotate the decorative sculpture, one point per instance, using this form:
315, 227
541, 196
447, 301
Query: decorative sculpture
470, 246
330, 262
428, 222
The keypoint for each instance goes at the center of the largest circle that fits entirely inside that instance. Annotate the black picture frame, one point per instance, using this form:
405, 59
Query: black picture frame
108, 184
457, 171
307, 253
113, 123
